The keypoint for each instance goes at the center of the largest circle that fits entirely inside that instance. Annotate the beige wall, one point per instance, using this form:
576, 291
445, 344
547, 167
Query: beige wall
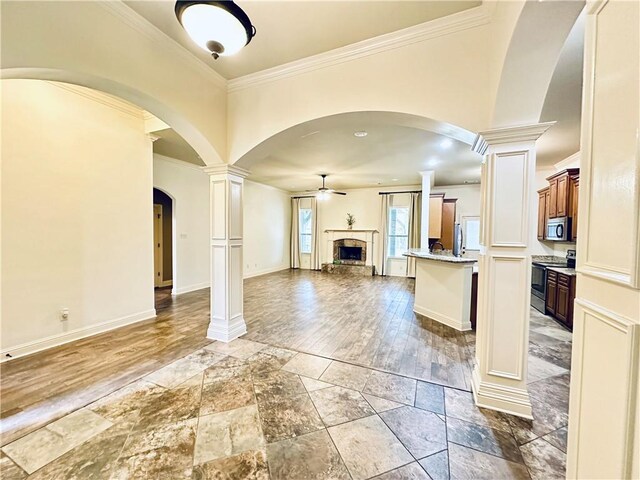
188, 185
108, 47
267, 227
76, 216
364, 204
266, 218
424, 78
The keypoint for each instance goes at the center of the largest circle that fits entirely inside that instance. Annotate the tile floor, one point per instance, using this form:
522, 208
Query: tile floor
254, 411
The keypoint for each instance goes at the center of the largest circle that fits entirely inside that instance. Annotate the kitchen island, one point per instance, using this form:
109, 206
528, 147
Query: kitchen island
443, 287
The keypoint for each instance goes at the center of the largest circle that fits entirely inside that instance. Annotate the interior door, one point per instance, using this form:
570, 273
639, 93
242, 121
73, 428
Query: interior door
157, 245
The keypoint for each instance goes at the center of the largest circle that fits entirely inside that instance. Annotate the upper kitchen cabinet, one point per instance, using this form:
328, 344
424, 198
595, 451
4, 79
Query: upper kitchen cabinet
436, 201
560, 187
543, 212
559, 199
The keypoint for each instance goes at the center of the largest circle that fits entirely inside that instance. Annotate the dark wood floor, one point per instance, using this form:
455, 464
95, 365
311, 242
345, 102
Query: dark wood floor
363, 320
368, 321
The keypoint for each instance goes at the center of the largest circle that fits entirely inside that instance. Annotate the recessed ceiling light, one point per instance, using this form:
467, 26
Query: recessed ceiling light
446, 143
360, 134
394, 179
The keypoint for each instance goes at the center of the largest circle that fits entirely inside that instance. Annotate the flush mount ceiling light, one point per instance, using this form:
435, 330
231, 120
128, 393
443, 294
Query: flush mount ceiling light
360, 134
221, 28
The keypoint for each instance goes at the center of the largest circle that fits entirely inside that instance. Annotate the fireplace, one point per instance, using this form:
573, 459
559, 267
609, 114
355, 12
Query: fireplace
350, 251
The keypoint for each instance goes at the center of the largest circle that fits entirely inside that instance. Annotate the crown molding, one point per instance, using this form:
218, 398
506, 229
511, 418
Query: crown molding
164, 42
456, 22
102, 98
226, 169
177, 162
520, 133
567, 162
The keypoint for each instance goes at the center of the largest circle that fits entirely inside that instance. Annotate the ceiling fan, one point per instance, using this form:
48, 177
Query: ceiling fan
323, 192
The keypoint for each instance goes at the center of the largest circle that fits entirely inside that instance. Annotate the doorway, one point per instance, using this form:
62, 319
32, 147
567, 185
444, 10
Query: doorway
162, 246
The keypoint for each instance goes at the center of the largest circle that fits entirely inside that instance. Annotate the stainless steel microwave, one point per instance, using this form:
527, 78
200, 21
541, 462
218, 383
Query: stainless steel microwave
558, 229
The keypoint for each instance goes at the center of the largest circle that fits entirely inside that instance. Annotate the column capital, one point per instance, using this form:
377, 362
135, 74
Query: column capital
520, 133
225, 169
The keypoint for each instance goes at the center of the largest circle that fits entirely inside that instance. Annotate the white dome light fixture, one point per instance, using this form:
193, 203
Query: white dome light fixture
219, 27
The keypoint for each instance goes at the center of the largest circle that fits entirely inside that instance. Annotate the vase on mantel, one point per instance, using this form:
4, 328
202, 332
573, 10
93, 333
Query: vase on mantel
350, 227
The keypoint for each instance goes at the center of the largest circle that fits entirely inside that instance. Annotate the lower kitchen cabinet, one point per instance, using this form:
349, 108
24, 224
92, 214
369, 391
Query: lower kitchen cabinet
561, 292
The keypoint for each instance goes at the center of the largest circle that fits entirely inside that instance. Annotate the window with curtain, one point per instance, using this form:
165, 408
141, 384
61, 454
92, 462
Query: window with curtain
305, 230
398, 231
471, 232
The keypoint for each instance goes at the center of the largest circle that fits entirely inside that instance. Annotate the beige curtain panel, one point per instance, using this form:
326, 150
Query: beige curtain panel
384, 232
315, 236
415, 214
295, 233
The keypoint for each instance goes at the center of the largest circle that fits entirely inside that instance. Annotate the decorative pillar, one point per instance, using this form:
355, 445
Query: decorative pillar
504, 267
226, 185
428, 179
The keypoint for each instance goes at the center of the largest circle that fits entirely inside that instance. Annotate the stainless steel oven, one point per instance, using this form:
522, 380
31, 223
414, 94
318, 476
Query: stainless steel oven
538, 287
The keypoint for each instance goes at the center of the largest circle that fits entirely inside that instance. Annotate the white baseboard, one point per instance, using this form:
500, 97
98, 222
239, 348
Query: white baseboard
60, 339
189, 288
266, 271
448, 321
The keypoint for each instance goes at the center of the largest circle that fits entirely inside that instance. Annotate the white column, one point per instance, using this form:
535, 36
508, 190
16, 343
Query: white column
226, 185
504, 283
428, 179
604, 408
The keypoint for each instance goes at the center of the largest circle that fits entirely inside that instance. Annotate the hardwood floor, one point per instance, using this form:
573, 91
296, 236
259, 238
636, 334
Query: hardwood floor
45, 386
367, 321
363, 320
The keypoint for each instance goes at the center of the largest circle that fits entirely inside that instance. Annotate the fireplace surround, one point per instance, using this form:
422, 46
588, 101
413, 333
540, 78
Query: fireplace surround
350, 251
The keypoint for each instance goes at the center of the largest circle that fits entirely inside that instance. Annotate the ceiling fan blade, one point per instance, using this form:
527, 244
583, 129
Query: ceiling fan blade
338, 193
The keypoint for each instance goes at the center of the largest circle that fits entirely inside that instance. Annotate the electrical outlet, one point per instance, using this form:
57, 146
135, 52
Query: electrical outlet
64, 314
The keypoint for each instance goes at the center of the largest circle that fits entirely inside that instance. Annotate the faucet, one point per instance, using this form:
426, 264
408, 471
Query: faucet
437, 243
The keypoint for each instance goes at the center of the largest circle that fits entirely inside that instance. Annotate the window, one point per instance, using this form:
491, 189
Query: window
398, 231
471, 231
305, 230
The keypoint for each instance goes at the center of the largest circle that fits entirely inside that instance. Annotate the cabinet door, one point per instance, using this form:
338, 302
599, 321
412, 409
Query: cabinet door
552, 294
575, 187
435, 216
553, 198
562, 303
542, 214
448, 221
562, 202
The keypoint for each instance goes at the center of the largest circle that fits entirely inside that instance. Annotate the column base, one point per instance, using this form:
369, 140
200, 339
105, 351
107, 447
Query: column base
511, 400
226, 331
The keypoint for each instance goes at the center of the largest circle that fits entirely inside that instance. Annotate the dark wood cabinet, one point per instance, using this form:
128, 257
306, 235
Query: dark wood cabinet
559, 199
448, 221
553, 198
573, 201
560, 188
543, 212
560, 296
552, 292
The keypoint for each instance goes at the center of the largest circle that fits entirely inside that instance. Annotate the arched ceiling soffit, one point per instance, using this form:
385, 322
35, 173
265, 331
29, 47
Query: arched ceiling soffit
397, 147
184, 128
534, 50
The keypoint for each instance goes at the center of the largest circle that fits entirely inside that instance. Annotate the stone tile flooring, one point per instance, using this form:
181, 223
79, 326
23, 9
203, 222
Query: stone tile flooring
247, 410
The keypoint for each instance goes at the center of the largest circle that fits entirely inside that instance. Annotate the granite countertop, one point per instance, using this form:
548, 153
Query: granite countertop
446, 256
567, 271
